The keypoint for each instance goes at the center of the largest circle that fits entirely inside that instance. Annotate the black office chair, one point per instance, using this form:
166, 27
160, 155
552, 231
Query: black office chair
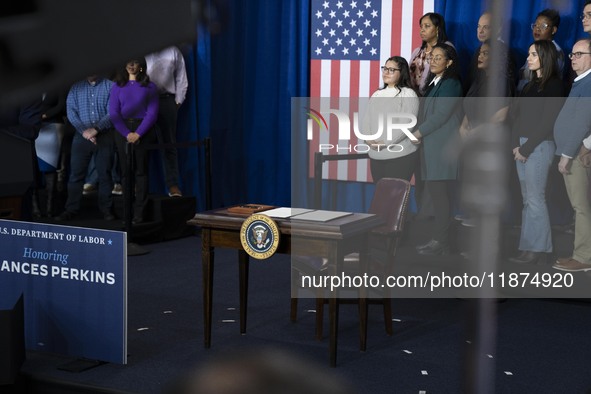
390, 202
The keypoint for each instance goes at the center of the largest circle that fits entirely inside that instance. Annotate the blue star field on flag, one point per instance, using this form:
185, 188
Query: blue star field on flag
345, 29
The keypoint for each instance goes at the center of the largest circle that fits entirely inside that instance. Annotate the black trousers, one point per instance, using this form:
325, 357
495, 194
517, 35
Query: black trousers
441, 194
402, 167
166, 133
141, 168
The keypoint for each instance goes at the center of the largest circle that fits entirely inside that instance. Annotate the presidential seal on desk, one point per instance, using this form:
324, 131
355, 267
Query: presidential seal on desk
259, 236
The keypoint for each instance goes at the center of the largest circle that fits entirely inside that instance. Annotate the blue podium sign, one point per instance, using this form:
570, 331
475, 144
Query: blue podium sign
74, 282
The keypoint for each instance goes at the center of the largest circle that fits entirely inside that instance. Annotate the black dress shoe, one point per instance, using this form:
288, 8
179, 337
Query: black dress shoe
108, 216
435, 249
528, 257
137, 220
518, 257
429, 244
65, 216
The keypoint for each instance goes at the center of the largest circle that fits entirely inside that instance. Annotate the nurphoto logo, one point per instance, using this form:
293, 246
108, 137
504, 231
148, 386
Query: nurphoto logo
388, 125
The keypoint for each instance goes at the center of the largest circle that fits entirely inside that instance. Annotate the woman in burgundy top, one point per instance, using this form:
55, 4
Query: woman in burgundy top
133, 108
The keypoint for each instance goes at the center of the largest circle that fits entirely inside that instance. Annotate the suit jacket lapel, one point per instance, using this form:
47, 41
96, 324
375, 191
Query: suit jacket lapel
430, 100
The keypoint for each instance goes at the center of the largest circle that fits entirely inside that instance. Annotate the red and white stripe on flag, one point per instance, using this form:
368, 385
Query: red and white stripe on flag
350, 40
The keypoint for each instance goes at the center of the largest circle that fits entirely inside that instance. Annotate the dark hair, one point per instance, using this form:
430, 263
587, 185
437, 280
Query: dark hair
439, 22
453, 71
586, 3
486, 42
122, 76
501, 60
551, 14
404, 81
548, 56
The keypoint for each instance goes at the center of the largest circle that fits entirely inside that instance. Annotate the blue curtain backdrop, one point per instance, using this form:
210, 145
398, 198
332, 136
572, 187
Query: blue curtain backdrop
244, 76
461, 18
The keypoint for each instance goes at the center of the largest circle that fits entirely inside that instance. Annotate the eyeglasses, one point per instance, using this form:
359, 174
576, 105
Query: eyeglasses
389, 70
436, 59
577, 55
541, 26
585, 16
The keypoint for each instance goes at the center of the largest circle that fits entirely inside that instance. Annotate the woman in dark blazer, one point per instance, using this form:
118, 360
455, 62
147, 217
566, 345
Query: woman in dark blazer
437, 131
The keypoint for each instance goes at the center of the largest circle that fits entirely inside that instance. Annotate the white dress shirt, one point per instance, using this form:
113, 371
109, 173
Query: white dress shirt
167, 70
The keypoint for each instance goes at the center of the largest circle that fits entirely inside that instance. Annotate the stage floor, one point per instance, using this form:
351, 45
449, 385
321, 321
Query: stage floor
542, 345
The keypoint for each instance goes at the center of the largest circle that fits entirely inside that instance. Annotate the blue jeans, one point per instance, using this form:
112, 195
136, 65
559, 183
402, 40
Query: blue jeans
536, 234
92, 176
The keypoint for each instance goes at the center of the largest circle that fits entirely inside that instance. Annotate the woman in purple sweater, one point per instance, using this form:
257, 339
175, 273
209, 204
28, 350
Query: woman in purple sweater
133, 108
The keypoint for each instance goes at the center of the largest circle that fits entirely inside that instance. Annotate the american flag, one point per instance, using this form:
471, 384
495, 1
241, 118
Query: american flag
350, 40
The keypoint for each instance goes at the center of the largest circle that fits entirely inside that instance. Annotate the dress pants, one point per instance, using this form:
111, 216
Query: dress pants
81, 153
140, 171
440, 192
577, 184
166, 133
401, 167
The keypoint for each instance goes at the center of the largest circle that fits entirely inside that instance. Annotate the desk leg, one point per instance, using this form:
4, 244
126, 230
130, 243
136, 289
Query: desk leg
207, 255
362, 323
364, 262
243, 264
333, 302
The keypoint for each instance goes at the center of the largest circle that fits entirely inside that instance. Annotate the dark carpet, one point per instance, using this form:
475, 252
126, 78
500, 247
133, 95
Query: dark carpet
542, 345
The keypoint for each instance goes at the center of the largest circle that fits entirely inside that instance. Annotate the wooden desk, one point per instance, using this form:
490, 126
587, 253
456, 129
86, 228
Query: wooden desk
333, 239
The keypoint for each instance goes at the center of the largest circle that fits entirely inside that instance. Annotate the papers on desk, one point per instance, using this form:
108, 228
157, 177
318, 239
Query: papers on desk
321, 216
305, 214
284, 212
